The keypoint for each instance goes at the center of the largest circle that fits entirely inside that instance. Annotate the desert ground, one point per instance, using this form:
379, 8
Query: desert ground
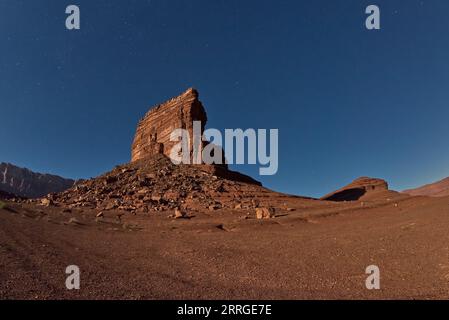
311, 250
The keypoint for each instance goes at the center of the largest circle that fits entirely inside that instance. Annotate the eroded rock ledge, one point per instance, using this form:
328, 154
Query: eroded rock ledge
153, 132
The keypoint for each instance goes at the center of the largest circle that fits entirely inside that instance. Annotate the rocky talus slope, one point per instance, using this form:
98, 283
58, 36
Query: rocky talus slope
156, 184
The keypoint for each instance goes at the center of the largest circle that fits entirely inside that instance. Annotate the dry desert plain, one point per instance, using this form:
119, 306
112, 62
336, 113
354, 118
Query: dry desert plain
310, 249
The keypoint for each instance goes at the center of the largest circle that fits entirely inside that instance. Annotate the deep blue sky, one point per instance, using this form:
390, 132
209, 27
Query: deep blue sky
347, 101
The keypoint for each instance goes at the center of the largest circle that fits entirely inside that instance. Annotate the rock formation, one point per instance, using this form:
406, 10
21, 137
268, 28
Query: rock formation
156, 184
357, 189
25, 183
437, 189
153, 132
151, 182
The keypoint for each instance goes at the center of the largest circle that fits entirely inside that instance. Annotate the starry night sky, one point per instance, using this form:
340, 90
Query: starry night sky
348, 102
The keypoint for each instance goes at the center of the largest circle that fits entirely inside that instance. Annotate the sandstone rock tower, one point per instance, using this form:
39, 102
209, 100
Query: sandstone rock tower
153, 132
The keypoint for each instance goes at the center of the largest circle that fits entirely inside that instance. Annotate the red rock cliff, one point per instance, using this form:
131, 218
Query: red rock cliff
153, 132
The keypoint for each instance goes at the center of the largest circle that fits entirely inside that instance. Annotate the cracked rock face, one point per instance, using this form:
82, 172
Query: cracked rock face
153, 132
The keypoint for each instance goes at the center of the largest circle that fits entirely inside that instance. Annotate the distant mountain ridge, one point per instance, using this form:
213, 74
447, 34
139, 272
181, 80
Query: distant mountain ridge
26, 183
436, 189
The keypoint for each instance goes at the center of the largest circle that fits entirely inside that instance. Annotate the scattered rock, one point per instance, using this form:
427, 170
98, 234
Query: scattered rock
46, 202
110, 180
75, 221
179, 214
265, 213
110, 206
214, 207
255, 203
156, 198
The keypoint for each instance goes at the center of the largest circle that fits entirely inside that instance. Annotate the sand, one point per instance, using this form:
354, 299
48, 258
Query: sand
318, 251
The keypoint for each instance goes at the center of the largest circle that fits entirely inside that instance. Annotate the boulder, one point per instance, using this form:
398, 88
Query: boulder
179, 214
265, 213
46, 202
